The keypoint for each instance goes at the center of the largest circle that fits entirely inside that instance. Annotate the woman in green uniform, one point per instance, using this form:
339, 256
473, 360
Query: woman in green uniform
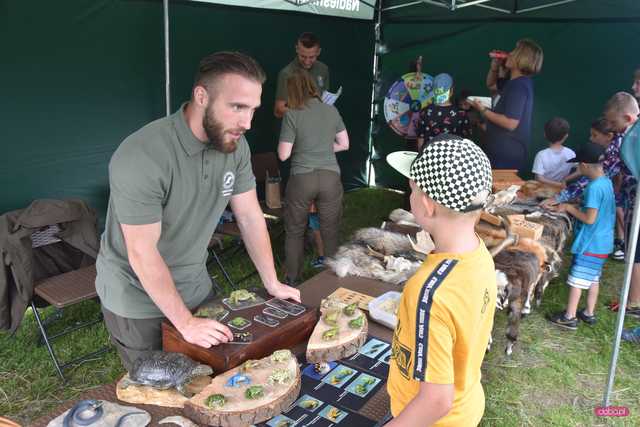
312, 132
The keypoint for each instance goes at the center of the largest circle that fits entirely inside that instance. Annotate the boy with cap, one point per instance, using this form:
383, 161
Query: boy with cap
446, 310
442, 116
593, 241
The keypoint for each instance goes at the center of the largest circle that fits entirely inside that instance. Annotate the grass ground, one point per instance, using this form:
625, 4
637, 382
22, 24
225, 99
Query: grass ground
553, 378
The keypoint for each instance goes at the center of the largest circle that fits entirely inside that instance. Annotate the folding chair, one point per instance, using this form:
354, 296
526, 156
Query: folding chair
216, 239
62, 291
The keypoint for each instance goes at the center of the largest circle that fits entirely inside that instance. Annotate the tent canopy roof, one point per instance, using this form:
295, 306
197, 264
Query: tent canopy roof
426, 10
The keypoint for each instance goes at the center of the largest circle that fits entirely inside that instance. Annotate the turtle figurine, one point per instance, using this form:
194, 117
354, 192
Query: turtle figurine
163, 370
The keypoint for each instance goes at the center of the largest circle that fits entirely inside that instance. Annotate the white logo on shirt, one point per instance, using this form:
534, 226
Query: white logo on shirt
320, 82
227, 183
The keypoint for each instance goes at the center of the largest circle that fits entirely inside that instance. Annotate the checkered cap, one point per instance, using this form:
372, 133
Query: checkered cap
454, 172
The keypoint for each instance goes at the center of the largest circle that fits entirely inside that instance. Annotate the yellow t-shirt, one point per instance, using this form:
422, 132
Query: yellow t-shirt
444, 323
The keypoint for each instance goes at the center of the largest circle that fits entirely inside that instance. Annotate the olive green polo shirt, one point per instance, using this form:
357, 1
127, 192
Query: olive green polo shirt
163, 173
318, 70
312, 131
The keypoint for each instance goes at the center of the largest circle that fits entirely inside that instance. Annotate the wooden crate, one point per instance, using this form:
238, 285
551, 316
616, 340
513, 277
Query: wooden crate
524, 228
504, 178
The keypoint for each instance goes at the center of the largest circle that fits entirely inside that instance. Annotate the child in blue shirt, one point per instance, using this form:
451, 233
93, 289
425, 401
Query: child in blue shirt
593, 241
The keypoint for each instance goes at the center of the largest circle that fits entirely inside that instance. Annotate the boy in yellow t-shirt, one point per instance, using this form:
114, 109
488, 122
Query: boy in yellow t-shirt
446, 310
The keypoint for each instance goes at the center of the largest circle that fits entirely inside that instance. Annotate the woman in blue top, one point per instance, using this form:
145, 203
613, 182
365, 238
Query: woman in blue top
509, 123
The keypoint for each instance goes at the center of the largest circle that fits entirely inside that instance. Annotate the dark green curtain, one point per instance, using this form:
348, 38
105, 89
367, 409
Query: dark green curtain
78, 76
584, 64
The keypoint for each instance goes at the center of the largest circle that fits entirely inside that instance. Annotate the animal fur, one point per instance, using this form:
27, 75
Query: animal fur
522, 271
356, 260
383, 241
557, 228
403, 217
502, 198
538, 190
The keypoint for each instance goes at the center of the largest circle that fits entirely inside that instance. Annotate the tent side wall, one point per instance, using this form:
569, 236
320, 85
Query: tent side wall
584, 64
79, 76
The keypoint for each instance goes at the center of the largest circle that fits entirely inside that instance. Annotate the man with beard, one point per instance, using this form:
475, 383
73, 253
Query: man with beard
170, 182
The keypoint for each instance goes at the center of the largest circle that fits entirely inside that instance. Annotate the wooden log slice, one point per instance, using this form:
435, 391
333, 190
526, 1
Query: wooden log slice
240, 411
170, 398
347, 344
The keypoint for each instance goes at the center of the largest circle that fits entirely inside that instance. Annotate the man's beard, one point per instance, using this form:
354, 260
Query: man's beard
215, 132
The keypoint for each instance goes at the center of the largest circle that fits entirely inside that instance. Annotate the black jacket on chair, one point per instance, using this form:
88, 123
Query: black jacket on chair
22, 265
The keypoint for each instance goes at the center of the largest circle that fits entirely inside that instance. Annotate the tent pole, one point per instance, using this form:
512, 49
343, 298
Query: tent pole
167, 79
377, 34
624, 294
544, 6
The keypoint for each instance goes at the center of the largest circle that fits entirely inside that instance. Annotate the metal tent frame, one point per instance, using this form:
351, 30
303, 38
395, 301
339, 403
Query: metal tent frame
378, 52
454, 5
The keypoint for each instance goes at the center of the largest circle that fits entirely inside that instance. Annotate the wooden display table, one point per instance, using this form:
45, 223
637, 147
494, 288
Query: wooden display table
313, 291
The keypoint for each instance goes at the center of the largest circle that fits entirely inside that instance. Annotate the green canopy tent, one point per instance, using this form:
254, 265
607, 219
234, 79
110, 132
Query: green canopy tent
78, 76
589, 46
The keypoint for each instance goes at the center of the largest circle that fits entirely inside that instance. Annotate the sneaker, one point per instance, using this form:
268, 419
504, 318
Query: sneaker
631, 335
560, 319
318, 262
618, 250
589, 320
633, 311
618, 255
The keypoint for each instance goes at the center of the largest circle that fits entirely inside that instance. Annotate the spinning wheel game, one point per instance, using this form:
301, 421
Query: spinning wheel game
405, 99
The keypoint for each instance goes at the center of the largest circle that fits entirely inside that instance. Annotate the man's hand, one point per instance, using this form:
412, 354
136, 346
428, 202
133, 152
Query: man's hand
282, 291
205, 332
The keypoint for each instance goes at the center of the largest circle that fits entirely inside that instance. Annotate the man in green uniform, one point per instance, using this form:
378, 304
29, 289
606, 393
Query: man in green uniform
307, 52
170, 181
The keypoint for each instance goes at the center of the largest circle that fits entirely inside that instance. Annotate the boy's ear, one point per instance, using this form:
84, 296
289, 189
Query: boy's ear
629, 118
429, 205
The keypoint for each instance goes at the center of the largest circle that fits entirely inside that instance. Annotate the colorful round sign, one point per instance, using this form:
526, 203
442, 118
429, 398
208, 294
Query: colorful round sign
405, 99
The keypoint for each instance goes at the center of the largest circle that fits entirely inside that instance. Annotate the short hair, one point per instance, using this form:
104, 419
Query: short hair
622, 102
636, 74
309, 40
556, 129
601, 125
300, 88
527, 57
216, 65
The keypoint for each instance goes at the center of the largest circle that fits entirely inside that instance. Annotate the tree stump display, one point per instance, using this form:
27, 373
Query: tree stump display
148, 395
249, 394
340, 332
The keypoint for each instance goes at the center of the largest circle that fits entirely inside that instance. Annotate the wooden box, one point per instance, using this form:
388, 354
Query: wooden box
490, 218
524, 228
292, 331
504, 178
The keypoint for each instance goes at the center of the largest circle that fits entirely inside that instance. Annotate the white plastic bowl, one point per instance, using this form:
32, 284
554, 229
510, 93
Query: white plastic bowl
381, 316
